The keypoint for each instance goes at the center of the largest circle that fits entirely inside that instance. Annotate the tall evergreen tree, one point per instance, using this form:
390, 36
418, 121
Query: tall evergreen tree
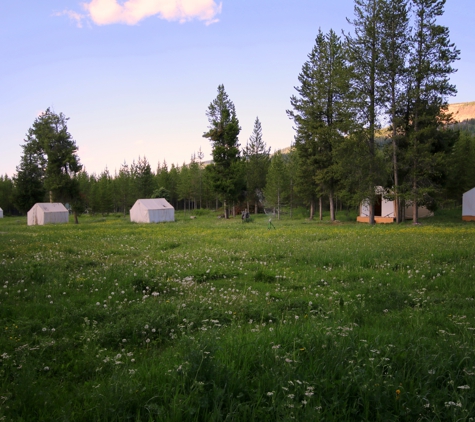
6, 195
394, 76
143, 178
365, 55
29, 185
461, 168
277, 187
173, 178
123, 188
184, 186
431, 62
257, 160
105, 193
321, 116
53, 150
223, 130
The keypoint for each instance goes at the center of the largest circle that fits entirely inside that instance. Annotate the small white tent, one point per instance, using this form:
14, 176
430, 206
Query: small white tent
46, 213
1, 213
156, 210
384, 209
468, 205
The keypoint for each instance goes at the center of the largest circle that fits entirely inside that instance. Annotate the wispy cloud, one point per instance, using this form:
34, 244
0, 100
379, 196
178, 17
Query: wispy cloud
74, 16
105, 12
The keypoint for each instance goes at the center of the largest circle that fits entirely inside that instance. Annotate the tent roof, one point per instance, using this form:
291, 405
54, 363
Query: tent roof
470, 192
155, 204
51, 207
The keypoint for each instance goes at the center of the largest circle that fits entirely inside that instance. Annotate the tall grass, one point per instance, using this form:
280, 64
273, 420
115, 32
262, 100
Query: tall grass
213, 320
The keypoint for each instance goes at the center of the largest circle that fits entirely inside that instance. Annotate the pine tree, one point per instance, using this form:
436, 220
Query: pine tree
257, 160
365, 56
321, 116
277, 187
123, 187
29, 185
394, 75
51, 149
223, 130
6, 195
143, 178
431, 62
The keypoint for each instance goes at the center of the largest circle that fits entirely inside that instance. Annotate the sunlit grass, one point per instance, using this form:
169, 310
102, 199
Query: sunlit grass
209, 319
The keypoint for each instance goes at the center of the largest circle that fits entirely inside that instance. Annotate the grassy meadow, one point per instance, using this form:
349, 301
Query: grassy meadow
215, 320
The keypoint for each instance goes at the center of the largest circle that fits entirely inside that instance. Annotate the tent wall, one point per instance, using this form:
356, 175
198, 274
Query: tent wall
155, 210
160, 216
468, 205
47, 213
388, 210
1, 213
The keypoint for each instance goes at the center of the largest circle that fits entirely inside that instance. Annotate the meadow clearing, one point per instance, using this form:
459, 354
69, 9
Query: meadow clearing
215, 320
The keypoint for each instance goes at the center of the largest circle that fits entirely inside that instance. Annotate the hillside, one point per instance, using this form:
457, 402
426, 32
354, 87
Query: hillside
463, 111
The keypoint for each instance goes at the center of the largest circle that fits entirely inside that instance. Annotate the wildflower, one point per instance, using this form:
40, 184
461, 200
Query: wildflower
46, 368
464, 387
124, 340
270, 393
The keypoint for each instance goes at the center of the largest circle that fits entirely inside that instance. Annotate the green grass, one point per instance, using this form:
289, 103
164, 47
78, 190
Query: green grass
214, 320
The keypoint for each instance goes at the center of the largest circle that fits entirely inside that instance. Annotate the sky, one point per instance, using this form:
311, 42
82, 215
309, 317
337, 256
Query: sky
135, 77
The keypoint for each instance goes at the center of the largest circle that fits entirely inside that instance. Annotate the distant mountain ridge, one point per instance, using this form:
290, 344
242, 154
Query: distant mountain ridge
462, 111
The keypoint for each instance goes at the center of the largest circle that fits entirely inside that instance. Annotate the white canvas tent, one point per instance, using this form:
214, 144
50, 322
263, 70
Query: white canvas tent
468, 205
384, 209
46, 213
1, 213
156, 210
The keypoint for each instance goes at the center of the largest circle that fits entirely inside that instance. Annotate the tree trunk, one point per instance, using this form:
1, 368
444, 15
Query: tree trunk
76, 221
332, 206
278, 205
320, 208
371, 213
415, 215
256, 210
312, 208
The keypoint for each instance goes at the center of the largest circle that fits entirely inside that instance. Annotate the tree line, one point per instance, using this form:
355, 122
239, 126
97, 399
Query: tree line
370, 110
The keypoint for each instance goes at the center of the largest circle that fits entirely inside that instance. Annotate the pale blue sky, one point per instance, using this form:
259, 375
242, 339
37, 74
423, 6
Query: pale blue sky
143, 88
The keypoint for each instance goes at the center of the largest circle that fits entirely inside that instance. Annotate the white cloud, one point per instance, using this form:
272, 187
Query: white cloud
74, 16
105, 12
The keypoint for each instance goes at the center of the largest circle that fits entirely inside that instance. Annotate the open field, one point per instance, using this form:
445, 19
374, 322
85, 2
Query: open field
213, 320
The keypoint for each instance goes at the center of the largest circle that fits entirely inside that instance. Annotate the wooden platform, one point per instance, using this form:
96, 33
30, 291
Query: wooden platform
468, 218
377, 220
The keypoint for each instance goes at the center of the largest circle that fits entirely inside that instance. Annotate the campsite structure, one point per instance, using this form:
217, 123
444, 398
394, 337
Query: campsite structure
385, 210
1, 213
155, 210
47, 213
468, 205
